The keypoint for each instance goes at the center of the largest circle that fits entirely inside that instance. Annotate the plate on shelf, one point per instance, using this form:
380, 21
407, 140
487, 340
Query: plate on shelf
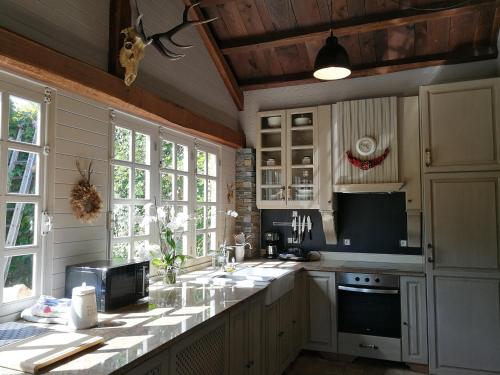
274, 121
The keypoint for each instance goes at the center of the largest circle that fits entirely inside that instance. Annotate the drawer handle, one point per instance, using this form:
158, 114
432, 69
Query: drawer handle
368, 346
428, 157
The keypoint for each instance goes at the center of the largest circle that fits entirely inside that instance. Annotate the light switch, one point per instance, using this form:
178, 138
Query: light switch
347, 242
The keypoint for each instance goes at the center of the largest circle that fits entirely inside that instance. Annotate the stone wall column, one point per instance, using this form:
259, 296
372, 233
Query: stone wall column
248, 220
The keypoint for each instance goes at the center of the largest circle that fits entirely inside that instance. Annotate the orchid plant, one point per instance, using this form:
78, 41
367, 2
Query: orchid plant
169, 225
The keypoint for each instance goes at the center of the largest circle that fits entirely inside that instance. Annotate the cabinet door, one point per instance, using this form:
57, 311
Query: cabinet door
321, 321
285, 330
302, 158
461, 126
157, 365
204, 352
271, 160
298, 310
272, 339
462, 221
413, 320
255, 336
239, 340
465, 333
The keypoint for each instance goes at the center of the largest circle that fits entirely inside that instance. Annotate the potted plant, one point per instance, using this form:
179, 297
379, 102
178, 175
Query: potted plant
166, 258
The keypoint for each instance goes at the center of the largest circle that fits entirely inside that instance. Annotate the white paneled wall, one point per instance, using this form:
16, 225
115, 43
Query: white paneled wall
81, 132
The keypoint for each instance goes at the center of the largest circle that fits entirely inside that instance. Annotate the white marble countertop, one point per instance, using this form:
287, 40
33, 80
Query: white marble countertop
171, 311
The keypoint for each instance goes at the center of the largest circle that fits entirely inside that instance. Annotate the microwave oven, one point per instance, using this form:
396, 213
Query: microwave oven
117, 283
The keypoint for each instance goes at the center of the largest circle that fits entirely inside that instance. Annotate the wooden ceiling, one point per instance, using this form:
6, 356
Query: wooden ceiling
270, 43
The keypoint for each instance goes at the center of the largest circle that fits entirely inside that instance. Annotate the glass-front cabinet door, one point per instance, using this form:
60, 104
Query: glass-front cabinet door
302, 176
271, 159
287, 159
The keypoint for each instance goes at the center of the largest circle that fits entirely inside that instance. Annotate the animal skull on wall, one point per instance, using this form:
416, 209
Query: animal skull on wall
131, 54
136, 41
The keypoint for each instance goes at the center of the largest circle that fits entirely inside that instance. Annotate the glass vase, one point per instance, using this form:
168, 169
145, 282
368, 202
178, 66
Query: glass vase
170, 276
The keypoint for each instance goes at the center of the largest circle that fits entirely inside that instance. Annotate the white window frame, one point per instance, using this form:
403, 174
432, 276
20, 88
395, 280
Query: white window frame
138, 125
36, 93
201, 146
159, 133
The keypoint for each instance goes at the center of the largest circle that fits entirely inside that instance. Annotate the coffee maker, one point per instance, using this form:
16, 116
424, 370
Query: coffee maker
272, 240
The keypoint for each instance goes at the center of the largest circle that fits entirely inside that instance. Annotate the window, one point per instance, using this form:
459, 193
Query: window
22, 130
186, 181
131, 189
206, 202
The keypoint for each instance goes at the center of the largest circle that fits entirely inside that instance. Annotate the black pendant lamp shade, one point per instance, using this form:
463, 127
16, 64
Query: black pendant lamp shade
332, 61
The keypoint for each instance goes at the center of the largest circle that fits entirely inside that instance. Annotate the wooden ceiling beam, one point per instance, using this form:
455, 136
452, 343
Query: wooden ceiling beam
385, 67
350, 26
32, 60
119, 18
220, 62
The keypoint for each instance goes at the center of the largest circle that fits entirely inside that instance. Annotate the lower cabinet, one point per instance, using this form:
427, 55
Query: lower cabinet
279, 335
298, 313
206, 351
247, 335
321, 315
157, 365
413, 320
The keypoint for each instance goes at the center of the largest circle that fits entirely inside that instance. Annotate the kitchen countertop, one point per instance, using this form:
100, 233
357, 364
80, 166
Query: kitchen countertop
171, 311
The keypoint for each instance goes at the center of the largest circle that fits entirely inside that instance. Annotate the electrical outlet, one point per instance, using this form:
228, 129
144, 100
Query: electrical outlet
290, 240
347, 242
295, 214
403, 243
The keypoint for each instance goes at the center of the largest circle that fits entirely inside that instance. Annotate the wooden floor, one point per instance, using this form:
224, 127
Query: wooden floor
312, 363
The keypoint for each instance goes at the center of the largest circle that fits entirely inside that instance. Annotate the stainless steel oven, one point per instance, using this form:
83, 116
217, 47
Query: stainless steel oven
369, 315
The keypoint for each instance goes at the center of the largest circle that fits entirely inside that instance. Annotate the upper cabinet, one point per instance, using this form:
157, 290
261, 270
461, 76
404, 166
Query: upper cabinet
287, 159
460, 125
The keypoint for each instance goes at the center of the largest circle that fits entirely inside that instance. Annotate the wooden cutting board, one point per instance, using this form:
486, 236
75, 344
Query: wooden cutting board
35, 353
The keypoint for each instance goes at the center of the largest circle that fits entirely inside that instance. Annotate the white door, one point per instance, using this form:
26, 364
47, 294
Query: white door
321, 316
460, 125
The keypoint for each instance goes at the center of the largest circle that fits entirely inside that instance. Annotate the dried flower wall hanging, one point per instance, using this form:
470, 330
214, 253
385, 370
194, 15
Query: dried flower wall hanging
86, 202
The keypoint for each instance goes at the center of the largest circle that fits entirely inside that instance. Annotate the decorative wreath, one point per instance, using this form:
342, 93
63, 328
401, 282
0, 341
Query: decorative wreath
86, 202
366, 164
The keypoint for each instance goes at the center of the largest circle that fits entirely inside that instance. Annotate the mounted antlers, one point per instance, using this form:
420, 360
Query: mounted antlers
136, 41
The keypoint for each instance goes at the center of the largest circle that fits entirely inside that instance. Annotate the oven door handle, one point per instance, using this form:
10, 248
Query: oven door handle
368, 290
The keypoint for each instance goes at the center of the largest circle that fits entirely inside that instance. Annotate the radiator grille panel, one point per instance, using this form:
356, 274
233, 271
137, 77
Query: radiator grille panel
205, 356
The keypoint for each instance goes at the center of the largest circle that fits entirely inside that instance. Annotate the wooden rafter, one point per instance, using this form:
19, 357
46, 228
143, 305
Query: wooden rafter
385, 67
30, 59
220, 62
348, 27
119, 18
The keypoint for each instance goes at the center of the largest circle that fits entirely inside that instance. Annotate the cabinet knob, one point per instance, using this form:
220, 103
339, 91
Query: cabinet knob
405, 324
281, 333
428, 158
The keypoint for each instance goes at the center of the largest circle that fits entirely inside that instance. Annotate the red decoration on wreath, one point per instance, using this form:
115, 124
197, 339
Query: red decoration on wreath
367, 164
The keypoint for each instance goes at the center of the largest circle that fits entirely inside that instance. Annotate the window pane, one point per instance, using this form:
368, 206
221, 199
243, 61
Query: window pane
21, 172
182, 188
19, 278
212, 191
201, 162
182, 245
141, 228
200, 217
182, 157
212, 165
121, 181
166, 183
167, 154
121, 220
211, 241
141, 148
141, 184
20, 224
120, 251
200, 244
184, 210
211, 217
123, 143
141, 249
200, 190
24, 120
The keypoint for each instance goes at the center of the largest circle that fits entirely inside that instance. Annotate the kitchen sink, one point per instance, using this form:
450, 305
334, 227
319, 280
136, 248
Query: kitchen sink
261, 274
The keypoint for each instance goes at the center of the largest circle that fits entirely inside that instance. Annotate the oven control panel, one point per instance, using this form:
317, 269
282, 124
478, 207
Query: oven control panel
368, 279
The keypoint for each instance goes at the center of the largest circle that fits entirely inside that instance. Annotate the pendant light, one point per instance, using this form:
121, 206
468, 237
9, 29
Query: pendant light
332, 61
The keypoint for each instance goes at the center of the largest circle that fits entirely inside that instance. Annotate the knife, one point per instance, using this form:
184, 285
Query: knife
294, 227
303, 229
309, 226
